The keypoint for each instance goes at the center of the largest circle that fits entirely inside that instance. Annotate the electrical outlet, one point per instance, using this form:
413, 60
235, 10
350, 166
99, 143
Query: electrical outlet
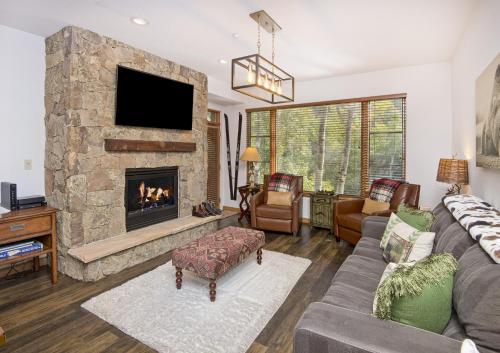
28, 164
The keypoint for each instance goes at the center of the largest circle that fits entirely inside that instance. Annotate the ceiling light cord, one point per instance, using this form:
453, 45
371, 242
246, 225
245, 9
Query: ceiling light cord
273, 45
258, 36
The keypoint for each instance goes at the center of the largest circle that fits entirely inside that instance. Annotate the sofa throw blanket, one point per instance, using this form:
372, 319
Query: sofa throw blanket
480, 219
383, 189
280, 182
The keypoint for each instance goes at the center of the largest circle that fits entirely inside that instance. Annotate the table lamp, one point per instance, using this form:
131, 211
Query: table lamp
251, 155
453, 171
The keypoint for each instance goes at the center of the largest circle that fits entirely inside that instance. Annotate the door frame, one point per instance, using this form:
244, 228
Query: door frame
216, 125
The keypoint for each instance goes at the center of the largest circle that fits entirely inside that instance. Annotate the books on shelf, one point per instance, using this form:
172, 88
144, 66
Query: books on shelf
20, 248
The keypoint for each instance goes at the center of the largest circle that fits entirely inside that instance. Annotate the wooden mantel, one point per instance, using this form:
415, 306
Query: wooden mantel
116, 145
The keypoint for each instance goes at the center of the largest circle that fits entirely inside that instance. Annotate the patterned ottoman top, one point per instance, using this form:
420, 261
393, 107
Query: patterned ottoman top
214, 254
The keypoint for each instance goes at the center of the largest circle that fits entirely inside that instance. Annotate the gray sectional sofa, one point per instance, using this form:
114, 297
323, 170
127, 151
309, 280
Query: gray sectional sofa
342, 321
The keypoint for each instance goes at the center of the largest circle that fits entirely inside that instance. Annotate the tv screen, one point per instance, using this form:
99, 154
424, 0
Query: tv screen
148, 100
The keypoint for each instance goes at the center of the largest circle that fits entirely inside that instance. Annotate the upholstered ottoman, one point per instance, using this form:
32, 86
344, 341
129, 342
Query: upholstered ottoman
214, 254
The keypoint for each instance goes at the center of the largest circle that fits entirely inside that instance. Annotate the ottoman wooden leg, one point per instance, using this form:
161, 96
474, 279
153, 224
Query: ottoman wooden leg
259, 256
178, 277
212, 291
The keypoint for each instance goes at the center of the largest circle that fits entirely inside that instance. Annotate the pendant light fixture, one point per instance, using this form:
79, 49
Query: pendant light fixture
258, 77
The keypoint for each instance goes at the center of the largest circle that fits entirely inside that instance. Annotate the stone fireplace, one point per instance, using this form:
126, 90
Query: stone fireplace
151, 196
86, 182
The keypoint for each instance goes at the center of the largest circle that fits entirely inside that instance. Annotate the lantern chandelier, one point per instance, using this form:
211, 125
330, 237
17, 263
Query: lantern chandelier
256, 76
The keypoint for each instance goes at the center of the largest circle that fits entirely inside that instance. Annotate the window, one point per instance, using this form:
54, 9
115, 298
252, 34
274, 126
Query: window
259, 136
339, 146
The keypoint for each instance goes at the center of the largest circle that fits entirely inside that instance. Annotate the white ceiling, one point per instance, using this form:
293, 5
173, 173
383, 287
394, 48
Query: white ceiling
320, 38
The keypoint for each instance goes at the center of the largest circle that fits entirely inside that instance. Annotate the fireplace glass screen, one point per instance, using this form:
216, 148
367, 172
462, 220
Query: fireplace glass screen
151, 196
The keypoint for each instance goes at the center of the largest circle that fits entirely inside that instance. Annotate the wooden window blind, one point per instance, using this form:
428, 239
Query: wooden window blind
337, 145
387, 141
213, 153
259, 136
321, 143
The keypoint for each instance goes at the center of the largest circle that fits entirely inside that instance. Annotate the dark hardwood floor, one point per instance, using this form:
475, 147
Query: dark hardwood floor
39, 317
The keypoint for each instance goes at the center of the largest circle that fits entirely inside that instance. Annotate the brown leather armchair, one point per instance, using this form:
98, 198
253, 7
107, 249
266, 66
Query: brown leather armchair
348, 217
275, 218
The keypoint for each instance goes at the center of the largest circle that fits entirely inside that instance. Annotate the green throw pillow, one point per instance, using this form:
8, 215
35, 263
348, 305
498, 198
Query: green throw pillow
422, 220
419, 295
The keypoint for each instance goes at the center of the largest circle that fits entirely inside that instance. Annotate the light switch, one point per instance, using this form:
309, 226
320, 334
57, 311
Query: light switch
27, 164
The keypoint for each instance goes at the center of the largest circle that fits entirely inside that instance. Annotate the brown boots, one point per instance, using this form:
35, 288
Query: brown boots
206, 209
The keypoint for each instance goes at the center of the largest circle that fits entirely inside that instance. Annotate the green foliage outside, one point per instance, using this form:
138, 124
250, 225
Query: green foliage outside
300, 147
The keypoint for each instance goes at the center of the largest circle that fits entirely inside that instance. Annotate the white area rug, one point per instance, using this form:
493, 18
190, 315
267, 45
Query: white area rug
151, 309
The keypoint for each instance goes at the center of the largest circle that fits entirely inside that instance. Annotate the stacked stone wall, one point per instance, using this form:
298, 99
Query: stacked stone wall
83, 180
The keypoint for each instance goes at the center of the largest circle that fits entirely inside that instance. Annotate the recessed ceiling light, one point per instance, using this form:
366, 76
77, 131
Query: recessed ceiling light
236, 35
139, 21
222, 61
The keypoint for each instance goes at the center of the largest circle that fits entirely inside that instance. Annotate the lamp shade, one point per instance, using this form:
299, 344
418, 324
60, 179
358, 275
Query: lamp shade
250, 155
453, 171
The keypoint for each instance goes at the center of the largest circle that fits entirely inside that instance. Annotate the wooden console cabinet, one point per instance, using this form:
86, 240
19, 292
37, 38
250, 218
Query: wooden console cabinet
322, 209
34, 223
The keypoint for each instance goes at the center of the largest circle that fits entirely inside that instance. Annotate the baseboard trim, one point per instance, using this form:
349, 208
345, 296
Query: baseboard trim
305, 221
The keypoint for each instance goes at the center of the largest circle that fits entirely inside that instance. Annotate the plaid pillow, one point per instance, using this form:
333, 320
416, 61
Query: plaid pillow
383, 189
280, 182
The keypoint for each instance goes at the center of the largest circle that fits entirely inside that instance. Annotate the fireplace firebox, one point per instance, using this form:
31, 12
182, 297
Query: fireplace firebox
151, 196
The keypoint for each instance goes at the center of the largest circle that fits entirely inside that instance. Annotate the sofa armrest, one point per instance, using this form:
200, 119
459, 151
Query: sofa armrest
297, 212
298, 198
373, 226
326, 328
349, 206
255, 200
386, 213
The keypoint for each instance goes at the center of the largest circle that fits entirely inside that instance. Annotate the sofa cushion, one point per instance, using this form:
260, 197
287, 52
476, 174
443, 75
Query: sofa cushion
476, 297
274, 211
368, 247
351, 220
455, 240
443, 220
354, 284
454, 329
351, 297
363, 266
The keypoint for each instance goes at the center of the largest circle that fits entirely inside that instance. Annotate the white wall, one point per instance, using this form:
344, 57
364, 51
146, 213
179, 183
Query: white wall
22, 129
429, 117
478, 47
232, 113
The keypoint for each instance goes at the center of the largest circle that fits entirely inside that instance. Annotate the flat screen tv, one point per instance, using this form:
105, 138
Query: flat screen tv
148, 100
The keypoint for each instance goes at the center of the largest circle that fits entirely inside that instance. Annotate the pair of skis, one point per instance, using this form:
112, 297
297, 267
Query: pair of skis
233, 189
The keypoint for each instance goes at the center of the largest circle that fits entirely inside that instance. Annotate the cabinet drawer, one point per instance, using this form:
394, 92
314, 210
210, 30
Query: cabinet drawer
23, 227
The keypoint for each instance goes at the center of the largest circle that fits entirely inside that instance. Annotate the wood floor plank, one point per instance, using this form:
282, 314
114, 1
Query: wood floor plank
39, 317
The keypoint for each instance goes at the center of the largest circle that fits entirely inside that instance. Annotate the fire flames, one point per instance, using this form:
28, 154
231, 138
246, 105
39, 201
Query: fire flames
155, 196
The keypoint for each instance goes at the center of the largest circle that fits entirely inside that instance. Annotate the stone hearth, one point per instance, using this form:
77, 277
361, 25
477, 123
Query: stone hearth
82, 179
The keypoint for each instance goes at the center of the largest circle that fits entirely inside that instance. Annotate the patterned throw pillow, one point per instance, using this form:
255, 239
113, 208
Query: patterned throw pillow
393, 221
383, 189
422, 220
407, 244
280, 182
419, 295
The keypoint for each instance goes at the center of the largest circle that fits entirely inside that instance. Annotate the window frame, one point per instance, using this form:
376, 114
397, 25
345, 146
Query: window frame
365, 131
